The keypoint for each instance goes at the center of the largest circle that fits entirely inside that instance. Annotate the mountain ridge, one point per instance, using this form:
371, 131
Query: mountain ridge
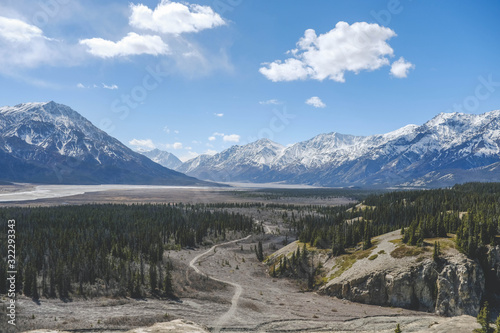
453, 145
52, 143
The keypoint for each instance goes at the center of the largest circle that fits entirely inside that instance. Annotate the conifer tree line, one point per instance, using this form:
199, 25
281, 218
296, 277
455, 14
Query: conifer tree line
60, 250
471, 211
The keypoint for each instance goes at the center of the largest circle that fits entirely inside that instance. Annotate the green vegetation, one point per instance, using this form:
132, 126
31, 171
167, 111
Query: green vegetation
483, 319
118, 249
373, 257
420, 215
406, 251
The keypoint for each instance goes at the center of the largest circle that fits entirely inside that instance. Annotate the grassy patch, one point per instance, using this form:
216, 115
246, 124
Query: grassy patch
381, 252
346, 261
396, 241
373, 257
406, 251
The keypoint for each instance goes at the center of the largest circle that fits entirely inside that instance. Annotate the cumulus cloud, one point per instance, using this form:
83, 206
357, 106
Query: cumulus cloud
219, 114
212, 138
142, 144
346, 48
81, 86
174, 18
132, 44
231, 138
401, 68
316, 102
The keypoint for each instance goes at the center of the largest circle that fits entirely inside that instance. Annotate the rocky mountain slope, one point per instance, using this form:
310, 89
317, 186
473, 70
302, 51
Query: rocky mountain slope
51, 143
448, 149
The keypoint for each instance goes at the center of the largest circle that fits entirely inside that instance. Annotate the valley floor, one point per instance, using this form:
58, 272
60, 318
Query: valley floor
241, 297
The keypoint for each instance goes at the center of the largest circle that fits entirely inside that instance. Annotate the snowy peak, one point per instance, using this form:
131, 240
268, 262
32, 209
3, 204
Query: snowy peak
52, 143
449, 142
168, 160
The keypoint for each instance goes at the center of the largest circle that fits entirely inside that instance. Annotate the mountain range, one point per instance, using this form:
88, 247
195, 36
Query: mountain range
51, 143
450, 148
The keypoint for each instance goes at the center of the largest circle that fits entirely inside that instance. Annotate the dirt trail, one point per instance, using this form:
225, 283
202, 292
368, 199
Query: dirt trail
234, 301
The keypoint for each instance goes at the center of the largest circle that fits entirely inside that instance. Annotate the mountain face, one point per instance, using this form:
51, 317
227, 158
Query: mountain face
451, 148
238, 163
163, 158
51, 143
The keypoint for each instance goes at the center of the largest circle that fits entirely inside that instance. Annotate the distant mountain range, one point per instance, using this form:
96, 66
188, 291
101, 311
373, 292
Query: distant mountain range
51, 143
448, 149
168, 160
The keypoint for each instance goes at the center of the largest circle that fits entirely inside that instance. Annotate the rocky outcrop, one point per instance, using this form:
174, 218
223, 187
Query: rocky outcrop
452, 287
494, 268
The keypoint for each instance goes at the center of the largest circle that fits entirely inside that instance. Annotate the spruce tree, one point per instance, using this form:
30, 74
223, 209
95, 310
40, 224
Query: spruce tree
398, 329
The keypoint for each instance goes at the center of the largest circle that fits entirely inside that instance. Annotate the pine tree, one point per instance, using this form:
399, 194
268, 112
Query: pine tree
259, 252
168, 287
483, 318
367, 237
153, 277
435, 254
398, 329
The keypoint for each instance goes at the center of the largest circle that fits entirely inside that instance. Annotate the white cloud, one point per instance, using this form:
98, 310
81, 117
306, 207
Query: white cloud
174, 18
401, 67
219, 114
231, 138
142, 144
81, 86
271, 101
166, 129
212, 138
132, 44
111, 87
25, 45
357, 47
316, 102
176, 145
17, 31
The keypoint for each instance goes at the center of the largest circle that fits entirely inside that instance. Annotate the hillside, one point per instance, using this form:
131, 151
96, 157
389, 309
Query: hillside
51, 143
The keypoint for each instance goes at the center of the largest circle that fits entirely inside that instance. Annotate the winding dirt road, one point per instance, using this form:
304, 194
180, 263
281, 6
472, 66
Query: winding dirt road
238, 289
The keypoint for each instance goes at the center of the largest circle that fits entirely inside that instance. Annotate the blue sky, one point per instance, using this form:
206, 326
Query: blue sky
199, 76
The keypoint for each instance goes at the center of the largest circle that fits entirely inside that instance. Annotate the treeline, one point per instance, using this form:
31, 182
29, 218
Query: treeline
471, 211
69, 250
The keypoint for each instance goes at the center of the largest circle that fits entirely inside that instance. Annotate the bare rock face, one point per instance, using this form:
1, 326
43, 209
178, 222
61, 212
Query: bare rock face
452, 287
494, 261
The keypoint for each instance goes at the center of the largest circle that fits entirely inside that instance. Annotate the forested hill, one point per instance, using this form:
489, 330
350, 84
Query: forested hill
64, 251
471, 211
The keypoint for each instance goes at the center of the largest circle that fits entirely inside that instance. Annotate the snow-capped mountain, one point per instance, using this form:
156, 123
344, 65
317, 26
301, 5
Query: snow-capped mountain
238, 163
168, 160
51, 143
450, 148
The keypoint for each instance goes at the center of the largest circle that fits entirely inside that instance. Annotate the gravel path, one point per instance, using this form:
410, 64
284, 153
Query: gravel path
238, 289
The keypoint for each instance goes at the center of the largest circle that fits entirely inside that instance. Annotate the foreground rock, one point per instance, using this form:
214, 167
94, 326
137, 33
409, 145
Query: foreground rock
453, 286
382, 324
